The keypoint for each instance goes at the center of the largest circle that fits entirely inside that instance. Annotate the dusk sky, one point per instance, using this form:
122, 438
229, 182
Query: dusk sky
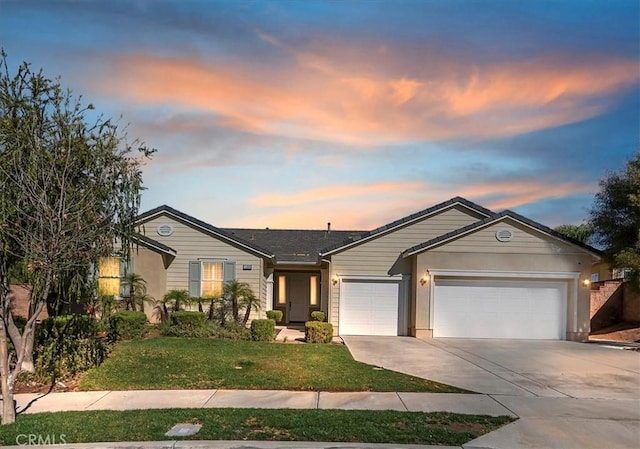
291, 114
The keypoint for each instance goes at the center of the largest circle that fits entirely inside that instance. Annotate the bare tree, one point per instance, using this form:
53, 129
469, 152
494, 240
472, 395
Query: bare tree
70, 190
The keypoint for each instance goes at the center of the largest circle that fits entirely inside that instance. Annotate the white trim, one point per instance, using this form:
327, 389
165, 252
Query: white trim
507, 274
295, 262
162, 250
364, 277
209, 231
490, 223
405, 223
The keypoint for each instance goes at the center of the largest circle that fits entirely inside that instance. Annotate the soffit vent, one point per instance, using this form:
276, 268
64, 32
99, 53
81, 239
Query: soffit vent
504, 235
165, 230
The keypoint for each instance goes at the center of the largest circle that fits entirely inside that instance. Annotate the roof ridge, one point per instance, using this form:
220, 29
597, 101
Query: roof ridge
415, 216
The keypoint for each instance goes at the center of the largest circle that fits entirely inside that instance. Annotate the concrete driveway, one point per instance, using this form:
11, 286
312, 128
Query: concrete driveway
567, 395
530, 368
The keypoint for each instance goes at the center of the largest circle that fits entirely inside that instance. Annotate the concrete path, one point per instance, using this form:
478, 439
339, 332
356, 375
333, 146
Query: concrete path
271, 399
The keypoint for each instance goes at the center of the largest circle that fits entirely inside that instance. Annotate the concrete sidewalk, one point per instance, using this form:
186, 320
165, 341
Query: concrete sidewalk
473, 404
562, 423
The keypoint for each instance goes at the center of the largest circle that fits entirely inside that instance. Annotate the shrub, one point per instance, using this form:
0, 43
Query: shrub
186, 324
66, 345
127, 325
317, 316
263, 330
275, 315
188, 320
231, 331
318, 332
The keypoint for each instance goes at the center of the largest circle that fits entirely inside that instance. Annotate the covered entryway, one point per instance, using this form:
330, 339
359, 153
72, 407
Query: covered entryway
371, 307
296, 294
475, 308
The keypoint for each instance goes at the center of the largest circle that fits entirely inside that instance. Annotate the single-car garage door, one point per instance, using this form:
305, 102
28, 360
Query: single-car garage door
499, 309
369, 307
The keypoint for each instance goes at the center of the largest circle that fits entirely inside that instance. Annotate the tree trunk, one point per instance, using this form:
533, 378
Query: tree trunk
8, 409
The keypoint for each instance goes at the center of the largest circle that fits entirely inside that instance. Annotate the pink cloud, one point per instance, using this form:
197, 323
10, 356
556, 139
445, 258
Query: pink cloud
320, 99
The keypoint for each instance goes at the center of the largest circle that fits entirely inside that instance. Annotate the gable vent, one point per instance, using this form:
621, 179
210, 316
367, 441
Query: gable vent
504, 235
165, 230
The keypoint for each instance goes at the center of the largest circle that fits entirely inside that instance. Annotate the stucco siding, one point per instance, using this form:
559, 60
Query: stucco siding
376, 256
192, 244
525, 241
149, 264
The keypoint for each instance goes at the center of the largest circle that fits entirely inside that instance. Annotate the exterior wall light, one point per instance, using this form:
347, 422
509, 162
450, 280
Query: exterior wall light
335, 279
586, 282
425, 278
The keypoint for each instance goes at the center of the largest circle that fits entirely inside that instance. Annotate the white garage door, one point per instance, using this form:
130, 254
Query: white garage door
368, 308
495, 309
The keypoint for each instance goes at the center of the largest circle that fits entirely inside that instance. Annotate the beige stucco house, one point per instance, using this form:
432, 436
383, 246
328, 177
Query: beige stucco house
453, 270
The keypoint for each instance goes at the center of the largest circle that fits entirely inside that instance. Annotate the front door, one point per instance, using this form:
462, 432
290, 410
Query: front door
298, 297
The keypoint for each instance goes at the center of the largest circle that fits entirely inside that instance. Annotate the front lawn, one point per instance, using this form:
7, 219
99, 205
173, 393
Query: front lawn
252, 424
192, 363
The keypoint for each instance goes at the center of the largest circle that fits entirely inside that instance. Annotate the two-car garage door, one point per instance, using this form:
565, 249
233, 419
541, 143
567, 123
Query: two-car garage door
499, 309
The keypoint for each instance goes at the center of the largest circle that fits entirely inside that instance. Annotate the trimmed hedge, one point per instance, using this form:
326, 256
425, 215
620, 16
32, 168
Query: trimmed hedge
318, 332
187, 324
263, 330
275, 315
66, 345
317, 316
127, 325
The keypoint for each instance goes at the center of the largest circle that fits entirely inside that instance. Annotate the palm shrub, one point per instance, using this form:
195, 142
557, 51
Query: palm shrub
135, 292
238, 295
173, 301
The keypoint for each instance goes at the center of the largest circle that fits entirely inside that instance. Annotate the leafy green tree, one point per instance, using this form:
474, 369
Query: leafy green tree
615, 218
69, 188
582, 232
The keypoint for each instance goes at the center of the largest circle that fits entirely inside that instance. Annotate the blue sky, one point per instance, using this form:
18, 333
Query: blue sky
292, 114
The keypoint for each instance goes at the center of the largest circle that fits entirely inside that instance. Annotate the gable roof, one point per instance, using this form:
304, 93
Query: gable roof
207, 228
456, 201
153, 244
495, 219
293, 245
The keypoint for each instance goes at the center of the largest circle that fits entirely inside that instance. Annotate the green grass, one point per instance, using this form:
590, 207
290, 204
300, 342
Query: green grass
253, 424
181, 363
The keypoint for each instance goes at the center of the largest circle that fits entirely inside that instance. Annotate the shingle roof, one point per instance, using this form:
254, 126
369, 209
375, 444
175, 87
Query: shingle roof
413, 217
206, 227
293, 245
493, 219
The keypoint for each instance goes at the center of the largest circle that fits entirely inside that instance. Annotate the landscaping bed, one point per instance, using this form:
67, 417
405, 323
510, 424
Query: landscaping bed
202, 363
251, 424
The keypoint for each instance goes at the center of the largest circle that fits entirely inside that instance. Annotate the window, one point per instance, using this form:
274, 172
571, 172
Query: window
212, 279
313, 290
282, 290
595, 277
109, 276
207, 277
